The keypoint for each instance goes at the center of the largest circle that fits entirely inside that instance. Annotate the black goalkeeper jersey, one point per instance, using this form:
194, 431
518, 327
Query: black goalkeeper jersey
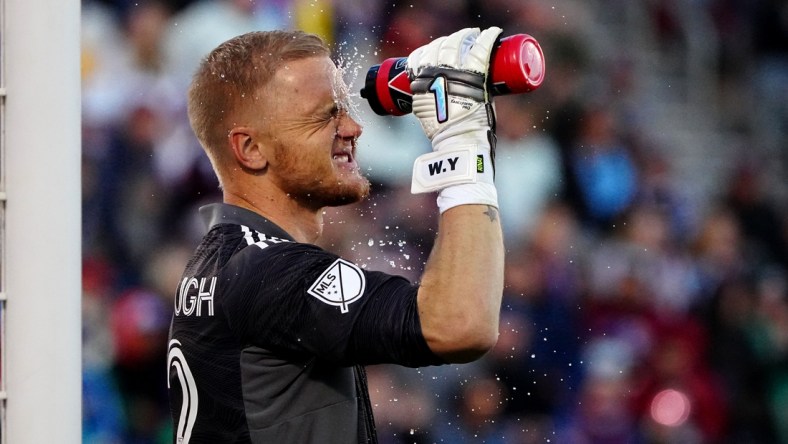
269, 338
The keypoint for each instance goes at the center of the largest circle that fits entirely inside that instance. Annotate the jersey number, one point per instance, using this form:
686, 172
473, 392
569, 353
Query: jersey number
189, 399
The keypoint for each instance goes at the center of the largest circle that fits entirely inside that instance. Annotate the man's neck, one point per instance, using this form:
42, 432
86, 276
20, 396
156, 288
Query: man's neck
303, 224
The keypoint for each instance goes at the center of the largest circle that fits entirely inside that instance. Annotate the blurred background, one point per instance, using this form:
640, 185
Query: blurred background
643, 194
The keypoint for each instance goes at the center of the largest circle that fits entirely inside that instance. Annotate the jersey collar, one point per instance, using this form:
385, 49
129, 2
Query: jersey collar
221, 213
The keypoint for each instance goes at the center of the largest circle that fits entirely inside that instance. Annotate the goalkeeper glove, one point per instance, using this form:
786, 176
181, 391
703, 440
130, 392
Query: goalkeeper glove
449, 81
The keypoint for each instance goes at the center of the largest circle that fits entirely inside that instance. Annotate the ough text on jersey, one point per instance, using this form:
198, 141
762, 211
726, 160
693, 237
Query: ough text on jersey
193, 293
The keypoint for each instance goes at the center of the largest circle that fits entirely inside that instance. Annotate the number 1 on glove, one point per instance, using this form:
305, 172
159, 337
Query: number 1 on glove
438, 88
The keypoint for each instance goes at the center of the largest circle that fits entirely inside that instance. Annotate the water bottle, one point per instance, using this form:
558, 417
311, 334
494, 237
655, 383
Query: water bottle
517, 66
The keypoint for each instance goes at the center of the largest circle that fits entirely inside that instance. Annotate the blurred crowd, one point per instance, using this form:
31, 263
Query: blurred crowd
636, 309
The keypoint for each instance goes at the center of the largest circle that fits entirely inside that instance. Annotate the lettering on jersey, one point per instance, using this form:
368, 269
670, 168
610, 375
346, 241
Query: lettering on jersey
193, 294
254, 237
340, 285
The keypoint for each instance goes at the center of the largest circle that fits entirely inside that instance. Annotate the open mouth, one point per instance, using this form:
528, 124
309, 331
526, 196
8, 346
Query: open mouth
343, 158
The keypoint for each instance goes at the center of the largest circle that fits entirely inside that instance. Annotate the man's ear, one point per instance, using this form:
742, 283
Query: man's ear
247, 149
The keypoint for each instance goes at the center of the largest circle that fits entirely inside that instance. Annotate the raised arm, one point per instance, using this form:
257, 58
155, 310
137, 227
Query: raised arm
460, 295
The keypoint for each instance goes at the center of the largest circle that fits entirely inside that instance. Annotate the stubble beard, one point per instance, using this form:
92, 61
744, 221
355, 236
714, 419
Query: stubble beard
317, 184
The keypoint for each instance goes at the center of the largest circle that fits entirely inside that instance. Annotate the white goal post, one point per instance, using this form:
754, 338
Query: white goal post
40, 211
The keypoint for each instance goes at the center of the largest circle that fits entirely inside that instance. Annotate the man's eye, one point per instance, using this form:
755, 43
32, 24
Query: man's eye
331, 115
342, 111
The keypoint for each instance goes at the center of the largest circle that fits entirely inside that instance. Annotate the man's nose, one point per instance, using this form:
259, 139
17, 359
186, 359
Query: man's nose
348, 128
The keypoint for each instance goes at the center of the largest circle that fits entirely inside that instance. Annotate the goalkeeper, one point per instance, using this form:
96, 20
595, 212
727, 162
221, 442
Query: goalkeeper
270, 334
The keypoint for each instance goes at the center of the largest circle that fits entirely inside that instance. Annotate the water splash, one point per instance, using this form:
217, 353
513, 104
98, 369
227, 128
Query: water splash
348, 71
352, 64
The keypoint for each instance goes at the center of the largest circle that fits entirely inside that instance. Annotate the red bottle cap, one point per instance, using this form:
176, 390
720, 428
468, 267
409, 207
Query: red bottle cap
519, 64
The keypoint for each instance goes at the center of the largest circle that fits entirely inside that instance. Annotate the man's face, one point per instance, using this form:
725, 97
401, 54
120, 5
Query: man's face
312, 135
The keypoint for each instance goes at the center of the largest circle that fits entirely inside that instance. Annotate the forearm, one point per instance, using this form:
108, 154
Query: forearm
460, 295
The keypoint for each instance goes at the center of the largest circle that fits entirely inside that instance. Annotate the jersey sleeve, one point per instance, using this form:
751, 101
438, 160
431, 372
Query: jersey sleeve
299, 299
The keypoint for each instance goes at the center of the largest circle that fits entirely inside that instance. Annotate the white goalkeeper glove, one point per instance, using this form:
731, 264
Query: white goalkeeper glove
449, 79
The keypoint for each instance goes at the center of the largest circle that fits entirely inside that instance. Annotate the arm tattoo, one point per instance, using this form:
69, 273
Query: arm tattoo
492, 213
